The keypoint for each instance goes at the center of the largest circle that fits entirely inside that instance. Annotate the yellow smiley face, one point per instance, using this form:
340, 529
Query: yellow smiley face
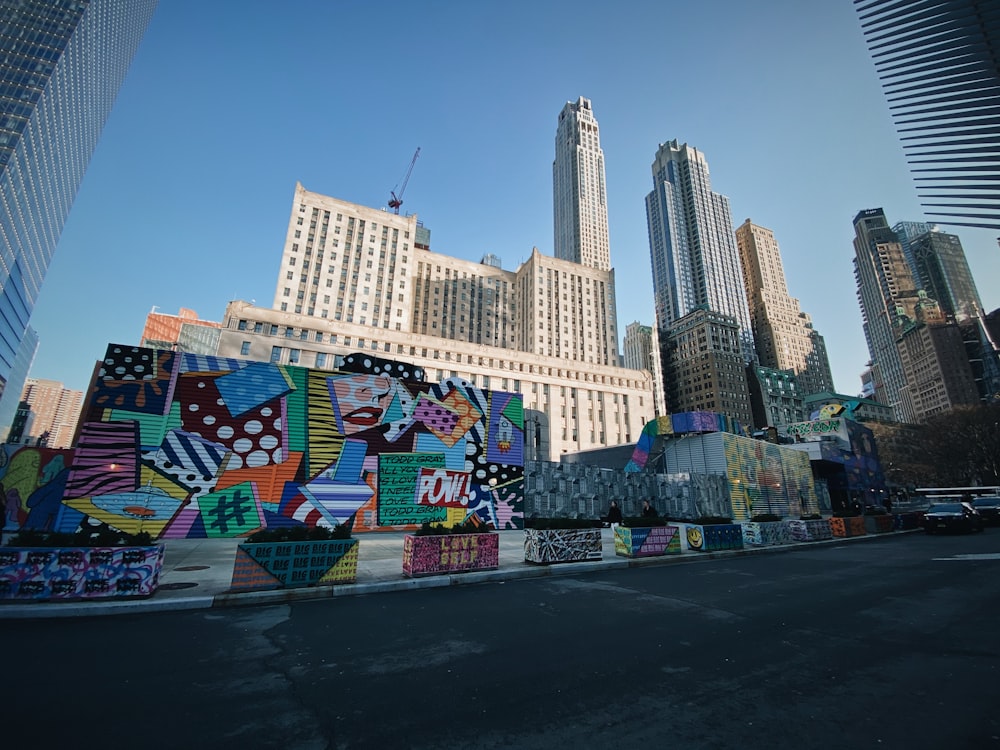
695, 538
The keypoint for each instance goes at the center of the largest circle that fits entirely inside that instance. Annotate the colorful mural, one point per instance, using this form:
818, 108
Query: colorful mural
768, 478
184, 445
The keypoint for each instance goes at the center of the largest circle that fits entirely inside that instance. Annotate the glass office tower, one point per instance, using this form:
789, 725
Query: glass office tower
61, 65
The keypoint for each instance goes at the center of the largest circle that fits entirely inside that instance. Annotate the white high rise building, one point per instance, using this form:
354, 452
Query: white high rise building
579, 195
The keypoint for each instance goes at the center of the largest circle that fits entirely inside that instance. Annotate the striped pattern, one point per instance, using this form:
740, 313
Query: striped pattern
104, 445
937, 60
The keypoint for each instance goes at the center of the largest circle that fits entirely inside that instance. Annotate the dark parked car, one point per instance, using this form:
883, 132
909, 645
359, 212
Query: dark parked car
944, 517
989, 508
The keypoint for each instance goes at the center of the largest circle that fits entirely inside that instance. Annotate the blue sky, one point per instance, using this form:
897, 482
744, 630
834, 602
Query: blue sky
228, 105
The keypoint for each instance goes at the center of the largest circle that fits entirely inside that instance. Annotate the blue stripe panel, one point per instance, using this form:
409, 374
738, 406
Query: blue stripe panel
252, 386
203, 363
351, 462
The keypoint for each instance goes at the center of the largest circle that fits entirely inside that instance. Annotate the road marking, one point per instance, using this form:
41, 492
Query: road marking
984, 556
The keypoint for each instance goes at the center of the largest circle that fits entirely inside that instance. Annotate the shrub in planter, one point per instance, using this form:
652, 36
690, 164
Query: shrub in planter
100, 564
646, 537
714, 533
556, 540
766, 529
296, 556
437, 550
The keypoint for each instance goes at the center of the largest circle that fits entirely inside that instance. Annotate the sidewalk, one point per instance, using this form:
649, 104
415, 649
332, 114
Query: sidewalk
197, 572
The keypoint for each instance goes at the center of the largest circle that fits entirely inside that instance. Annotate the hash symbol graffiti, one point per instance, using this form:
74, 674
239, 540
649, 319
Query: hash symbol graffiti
226, 511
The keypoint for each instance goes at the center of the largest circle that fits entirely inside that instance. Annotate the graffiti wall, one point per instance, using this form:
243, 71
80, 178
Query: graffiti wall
184, 445
768, 478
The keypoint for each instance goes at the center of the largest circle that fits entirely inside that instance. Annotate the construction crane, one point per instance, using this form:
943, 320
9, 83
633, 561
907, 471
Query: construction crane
397, 200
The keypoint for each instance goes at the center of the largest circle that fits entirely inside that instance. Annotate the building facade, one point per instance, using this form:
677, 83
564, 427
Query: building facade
783, 335
55, 411
937, 61
63, 63
938, 374
707, 368
184, 332
579, 194
886, 292
347, 263
775, 397
641, 351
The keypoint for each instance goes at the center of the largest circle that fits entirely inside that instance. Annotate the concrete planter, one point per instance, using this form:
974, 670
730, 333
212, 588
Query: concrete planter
714, 537
545, 546
809, 531
647, 541
764, 533
64, 573
878, 524
850, 526
449, 553
261, 566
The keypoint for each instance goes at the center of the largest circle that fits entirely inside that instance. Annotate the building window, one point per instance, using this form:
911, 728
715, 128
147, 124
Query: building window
245, 349
293, 355
241, 326
275, 353
321, 359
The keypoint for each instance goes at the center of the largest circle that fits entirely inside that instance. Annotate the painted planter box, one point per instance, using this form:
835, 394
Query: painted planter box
261, 566
449, 553
714, 537
811, 530
647, 541
764, 533
850, 526
545, 546
62, 573
878, 524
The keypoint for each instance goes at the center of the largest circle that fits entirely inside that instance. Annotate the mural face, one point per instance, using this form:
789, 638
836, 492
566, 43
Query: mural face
183, 445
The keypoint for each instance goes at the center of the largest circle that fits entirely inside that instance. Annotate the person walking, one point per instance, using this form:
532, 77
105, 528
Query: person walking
648, 511
614, 514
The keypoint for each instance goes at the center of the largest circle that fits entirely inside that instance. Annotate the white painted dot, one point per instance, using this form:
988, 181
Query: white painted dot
225, 432
278, 456
267, 442
253, 427
242, 445
193, 407
266, 411
208, 419
201, 384
258, 458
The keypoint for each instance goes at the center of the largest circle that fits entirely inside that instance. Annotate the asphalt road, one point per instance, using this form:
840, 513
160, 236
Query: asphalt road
887, 643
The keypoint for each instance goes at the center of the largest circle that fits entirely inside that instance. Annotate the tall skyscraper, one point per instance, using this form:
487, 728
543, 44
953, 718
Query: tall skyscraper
698, 294
783, 334
939, 67
61, 65
887, 293
579, 196
692, 244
